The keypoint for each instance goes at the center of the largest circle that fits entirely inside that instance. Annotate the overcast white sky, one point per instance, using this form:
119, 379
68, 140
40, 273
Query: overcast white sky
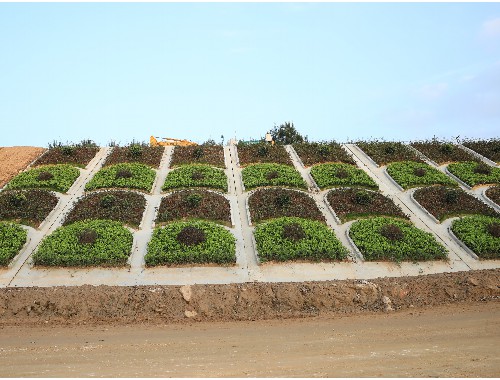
122, 71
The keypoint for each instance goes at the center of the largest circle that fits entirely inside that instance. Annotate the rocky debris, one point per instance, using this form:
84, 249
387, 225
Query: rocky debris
186, 292
190, 313
387, 303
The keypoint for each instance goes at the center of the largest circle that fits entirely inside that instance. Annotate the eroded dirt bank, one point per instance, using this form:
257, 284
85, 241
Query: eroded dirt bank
249, 301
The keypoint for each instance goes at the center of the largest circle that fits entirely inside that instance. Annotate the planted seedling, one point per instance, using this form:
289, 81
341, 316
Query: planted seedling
363, 197
68, 150
198, 175
87, 236
341, 173
123, 173
282, 200
135, 151
198, 153
45, 176
190, 236
447, 148
482, 168
390, 149
17, 199
419, 172
272, 175
451, 196
391, 232
194, 200
108, 201
494, 229
293, 232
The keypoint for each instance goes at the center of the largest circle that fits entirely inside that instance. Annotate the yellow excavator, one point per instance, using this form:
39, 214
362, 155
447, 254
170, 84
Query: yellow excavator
169, 141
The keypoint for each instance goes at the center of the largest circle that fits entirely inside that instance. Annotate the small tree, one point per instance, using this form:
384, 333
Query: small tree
286, 134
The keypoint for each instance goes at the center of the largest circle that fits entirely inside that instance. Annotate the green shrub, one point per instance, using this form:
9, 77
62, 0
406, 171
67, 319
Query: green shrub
196, 175
410, 174
12, 239
126, 175
475, 173
479, 233
290, 238
51, 177
191, 242
337, 175
393, 239
267, 174
86, 243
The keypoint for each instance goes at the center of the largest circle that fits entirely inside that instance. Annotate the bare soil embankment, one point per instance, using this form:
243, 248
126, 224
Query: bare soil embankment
235, 302
15, 159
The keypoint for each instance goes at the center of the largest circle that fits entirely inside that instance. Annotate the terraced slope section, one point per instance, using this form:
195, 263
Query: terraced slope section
136, 153
356, 203
262, 153
212, 155
28, 207
320, 153
444, 202
383, 152
487, 148
390, 239
442, 152
271, 203
74, 155
194, 204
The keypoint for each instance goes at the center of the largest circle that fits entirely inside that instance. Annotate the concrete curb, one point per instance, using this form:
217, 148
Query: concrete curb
490, 202
460, 243
468, 187
354, 247
392, 180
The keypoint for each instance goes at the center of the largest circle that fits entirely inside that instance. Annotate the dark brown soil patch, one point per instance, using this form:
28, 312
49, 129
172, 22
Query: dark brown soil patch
29, 207
76, 156
210, 155
320, 153
263, 153
442, 152
148, 155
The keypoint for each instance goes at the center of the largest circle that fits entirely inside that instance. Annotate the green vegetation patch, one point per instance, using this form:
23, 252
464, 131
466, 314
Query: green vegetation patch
475, 173
291, 238
212, 155
355, 203
29, 207
196, 175
410, 174
444, 202
322, 152
191, 242
12, 239
383, 238
51, 177
270, 203
126, 175
271, 175
198, 204
126, 207
384, 152
337, 175
86, 243
480, 233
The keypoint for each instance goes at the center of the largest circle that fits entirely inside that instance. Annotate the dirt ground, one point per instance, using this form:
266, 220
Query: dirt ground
15, 159
453, 340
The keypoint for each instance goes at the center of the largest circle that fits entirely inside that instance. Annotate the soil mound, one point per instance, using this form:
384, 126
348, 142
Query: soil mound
248, 301
15, 159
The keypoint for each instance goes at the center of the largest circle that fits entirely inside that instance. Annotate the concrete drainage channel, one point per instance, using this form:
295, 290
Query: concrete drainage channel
21, 273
